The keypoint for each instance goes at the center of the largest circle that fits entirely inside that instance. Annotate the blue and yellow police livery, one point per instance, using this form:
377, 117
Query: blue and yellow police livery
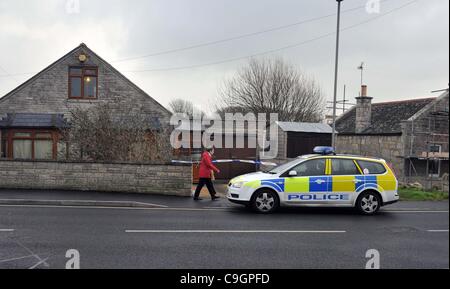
321, 179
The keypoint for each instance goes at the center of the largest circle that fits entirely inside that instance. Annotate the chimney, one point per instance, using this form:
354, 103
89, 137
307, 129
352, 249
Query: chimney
363, 110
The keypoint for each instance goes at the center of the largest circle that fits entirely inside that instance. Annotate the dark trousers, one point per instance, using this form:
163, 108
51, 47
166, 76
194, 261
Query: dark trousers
209, 185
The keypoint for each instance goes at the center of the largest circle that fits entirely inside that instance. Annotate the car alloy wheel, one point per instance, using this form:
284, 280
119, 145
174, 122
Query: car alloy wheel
369, 203
265, 201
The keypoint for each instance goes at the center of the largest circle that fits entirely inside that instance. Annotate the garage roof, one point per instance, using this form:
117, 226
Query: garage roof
304, 127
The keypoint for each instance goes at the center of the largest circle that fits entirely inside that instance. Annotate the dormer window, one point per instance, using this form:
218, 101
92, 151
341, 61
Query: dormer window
83, 82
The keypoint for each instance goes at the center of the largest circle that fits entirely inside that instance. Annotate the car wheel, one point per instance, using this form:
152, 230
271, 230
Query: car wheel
265, 201
368, 203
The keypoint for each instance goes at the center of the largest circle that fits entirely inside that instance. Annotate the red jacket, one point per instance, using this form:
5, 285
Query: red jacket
206, 166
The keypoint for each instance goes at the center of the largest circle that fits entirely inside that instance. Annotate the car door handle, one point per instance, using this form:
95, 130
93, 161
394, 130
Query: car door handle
357, 181
319, 182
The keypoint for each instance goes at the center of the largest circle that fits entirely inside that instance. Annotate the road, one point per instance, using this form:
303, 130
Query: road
221, 235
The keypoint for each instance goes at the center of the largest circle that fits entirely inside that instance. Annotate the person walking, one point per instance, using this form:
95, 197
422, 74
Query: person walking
206, 174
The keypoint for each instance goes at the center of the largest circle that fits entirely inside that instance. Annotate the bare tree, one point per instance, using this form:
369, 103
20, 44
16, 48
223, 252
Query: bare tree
102, 133
273, 86
184, 106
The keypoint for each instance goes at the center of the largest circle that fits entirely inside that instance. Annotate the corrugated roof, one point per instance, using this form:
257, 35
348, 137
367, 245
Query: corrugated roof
199, 125
33, 120
386, 116
304, 127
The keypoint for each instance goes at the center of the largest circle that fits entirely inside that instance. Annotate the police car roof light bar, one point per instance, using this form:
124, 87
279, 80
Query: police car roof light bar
322, 150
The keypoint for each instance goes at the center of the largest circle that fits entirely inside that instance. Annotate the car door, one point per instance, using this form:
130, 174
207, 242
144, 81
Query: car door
344, 173
310, 185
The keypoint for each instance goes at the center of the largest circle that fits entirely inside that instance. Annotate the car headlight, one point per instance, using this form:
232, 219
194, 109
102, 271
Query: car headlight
237, 185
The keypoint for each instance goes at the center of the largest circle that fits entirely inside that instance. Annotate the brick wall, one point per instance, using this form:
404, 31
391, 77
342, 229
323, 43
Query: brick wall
136, 178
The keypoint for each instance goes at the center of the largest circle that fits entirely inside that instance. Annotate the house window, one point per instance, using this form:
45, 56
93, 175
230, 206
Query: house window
435, 148
434, 168
434, 164
3, 144
32, 145
83, 82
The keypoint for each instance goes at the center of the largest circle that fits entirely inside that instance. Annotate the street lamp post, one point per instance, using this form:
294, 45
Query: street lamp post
333, 137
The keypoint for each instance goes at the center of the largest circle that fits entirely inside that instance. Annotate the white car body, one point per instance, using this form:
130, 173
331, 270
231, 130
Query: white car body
324, 190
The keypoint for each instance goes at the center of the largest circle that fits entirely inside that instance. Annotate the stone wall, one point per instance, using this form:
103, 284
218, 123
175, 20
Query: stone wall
388, 147
363, 113
114, 177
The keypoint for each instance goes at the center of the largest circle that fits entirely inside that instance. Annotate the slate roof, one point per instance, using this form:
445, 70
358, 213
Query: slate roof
33, 120
386, 117
304, 127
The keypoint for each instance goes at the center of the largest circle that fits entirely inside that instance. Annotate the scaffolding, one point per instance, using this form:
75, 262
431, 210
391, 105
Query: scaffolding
428, 145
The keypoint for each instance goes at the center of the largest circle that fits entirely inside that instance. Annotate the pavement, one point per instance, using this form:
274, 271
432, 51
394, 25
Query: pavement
175, 232
105, 199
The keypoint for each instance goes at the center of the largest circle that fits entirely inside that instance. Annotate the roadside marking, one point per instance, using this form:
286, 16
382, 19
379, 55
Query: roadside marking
411, 211
40, 260
438, 231
151, 204
233, 231
218, 209
115, 208
7, 230
44, 261
15, 259
74, 202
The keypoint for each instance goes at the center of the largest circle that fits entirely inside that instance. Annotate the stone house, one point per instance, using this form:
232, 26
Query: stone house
32, 115
412, 135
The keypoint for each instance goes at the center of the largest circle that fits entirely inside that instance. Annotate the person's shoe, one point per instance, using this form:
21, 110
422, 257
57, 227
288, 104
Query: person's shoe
213, 198
197, 199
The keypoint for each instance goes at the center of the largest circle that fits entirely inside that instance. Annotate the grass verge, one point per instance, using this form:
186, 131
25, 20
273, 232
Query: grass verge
409, 194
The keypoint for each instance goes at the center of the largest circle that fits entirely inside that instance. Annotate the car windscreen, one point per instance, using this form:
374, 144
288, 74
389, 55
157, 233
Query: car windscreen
283, 167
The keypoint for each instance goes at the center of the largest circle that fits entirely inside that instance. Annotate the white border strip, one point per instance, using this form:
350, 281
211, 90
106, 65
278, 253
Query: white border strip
438, 231
7, 230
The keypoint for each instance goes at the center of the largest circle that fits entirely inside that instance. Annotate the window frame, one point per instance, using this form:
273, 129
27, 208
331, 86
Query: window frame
286, 173
11, 138
435, 145
81, 77
358, 169
374, 162
430, 163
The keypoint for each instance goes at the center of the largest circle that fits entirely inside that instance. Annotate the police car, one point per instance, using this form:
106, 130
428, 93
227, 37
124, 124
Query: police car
319, 180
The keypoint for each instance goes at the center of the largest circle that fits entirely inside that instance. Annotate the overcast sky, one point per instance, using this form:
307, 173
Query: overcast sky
406, 52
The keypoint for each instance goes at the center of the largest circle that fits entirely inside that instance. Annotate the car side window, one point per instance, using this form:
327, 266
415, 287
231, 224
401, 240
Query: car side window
341, 167
371, 168
311, 168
